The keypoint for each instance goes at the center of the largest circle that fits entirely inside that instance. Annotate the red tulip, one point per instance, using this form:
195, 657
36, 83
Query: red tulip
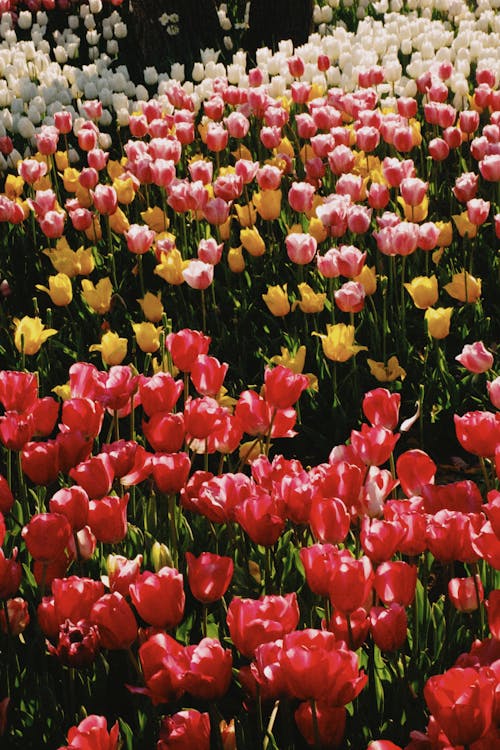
388, 626
159, 597
92, 734
40, 461
115, 620
185, 346
396, 581
381, 408
74, 597
184, 731
47, 535
170, 471
107, 518
330, 722
10, 574
209, 576
72, 502
350, 583
209, 670
253, 622
159, 393
461, 701
415, 469
466, 594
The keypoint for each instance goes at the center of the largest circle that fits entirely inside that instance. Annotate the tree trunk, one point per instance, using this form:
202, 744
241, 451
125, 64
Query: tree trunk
272, 21
161, 44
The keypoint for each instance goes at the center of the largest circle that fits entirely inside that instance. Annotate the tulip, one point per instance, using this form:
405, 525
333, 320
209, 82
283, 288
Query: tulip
461, 700
276, 300
152, 307
464, 287
93, 732
423, 291
252, 241
159, 597
466, 228
388, 626
159, 393
209, 576
147, 336
185, 729
113, 348
438, 321
475, 358
60, 290
198, 275
115, 620
311, 301
338, 342
466, 594
30, 334
386, 373
98, 297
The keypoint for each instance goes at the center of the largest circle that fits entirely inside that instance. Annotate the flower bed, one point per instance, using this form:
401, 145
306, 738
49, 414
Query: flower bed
249, 408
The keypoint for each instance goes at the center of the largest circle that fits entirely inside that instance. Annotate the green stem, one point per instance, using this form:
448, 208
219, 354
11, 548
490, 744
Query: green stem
317, 742
174, 539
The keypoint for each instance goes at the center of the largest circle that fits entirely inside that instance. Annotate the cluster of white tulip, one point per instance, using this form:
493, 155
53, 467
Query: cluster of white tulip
41, 75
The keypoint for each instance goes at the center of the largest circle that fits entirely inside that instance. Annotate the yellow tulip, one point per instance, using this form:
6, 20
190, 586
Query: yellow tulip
242, 152
252, 241
83, 196
119, 222
276, 300
14, 185
125, 190
98, 297
311, 301
445, 233
70, 179
65, 260
416, 132
113, 348
152, 307
147, 336
465, 227
285, 147
94, 232
246, 214
464, 287
415, 213
317, 229
268, 204
156, 219
171, 266
62, 391
235, 259
62, 160
59, 290
368, 279
438, 321
30, 334
423, 290
338, 342
386, 373
114, 169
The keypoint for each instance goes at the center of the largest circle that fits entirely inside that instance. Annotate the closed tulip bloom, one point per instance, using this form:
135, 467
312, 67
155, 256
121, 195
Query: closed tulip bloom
466, 594
489, 167
113, 348
301, 248
423, 290
338, 342
115, 620
198, 275
159, 597
276, 300
170, 471
478, 432
105, 199
350, 583
438, 321
465, 227
413, 190
252, 241
388, 626
139, 238
493, 392
368, 278
350, 297
268, 204
47, 535
475, 357
283, 387
207, 375
107, 518
477, 210
209, 576
30, 334
395, 581
60, 290
98, 297
147, 336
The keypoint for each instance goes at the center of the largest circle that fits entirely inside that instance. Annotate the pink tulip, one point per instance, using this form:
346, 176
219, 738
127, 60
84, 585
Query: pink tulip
475, 357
